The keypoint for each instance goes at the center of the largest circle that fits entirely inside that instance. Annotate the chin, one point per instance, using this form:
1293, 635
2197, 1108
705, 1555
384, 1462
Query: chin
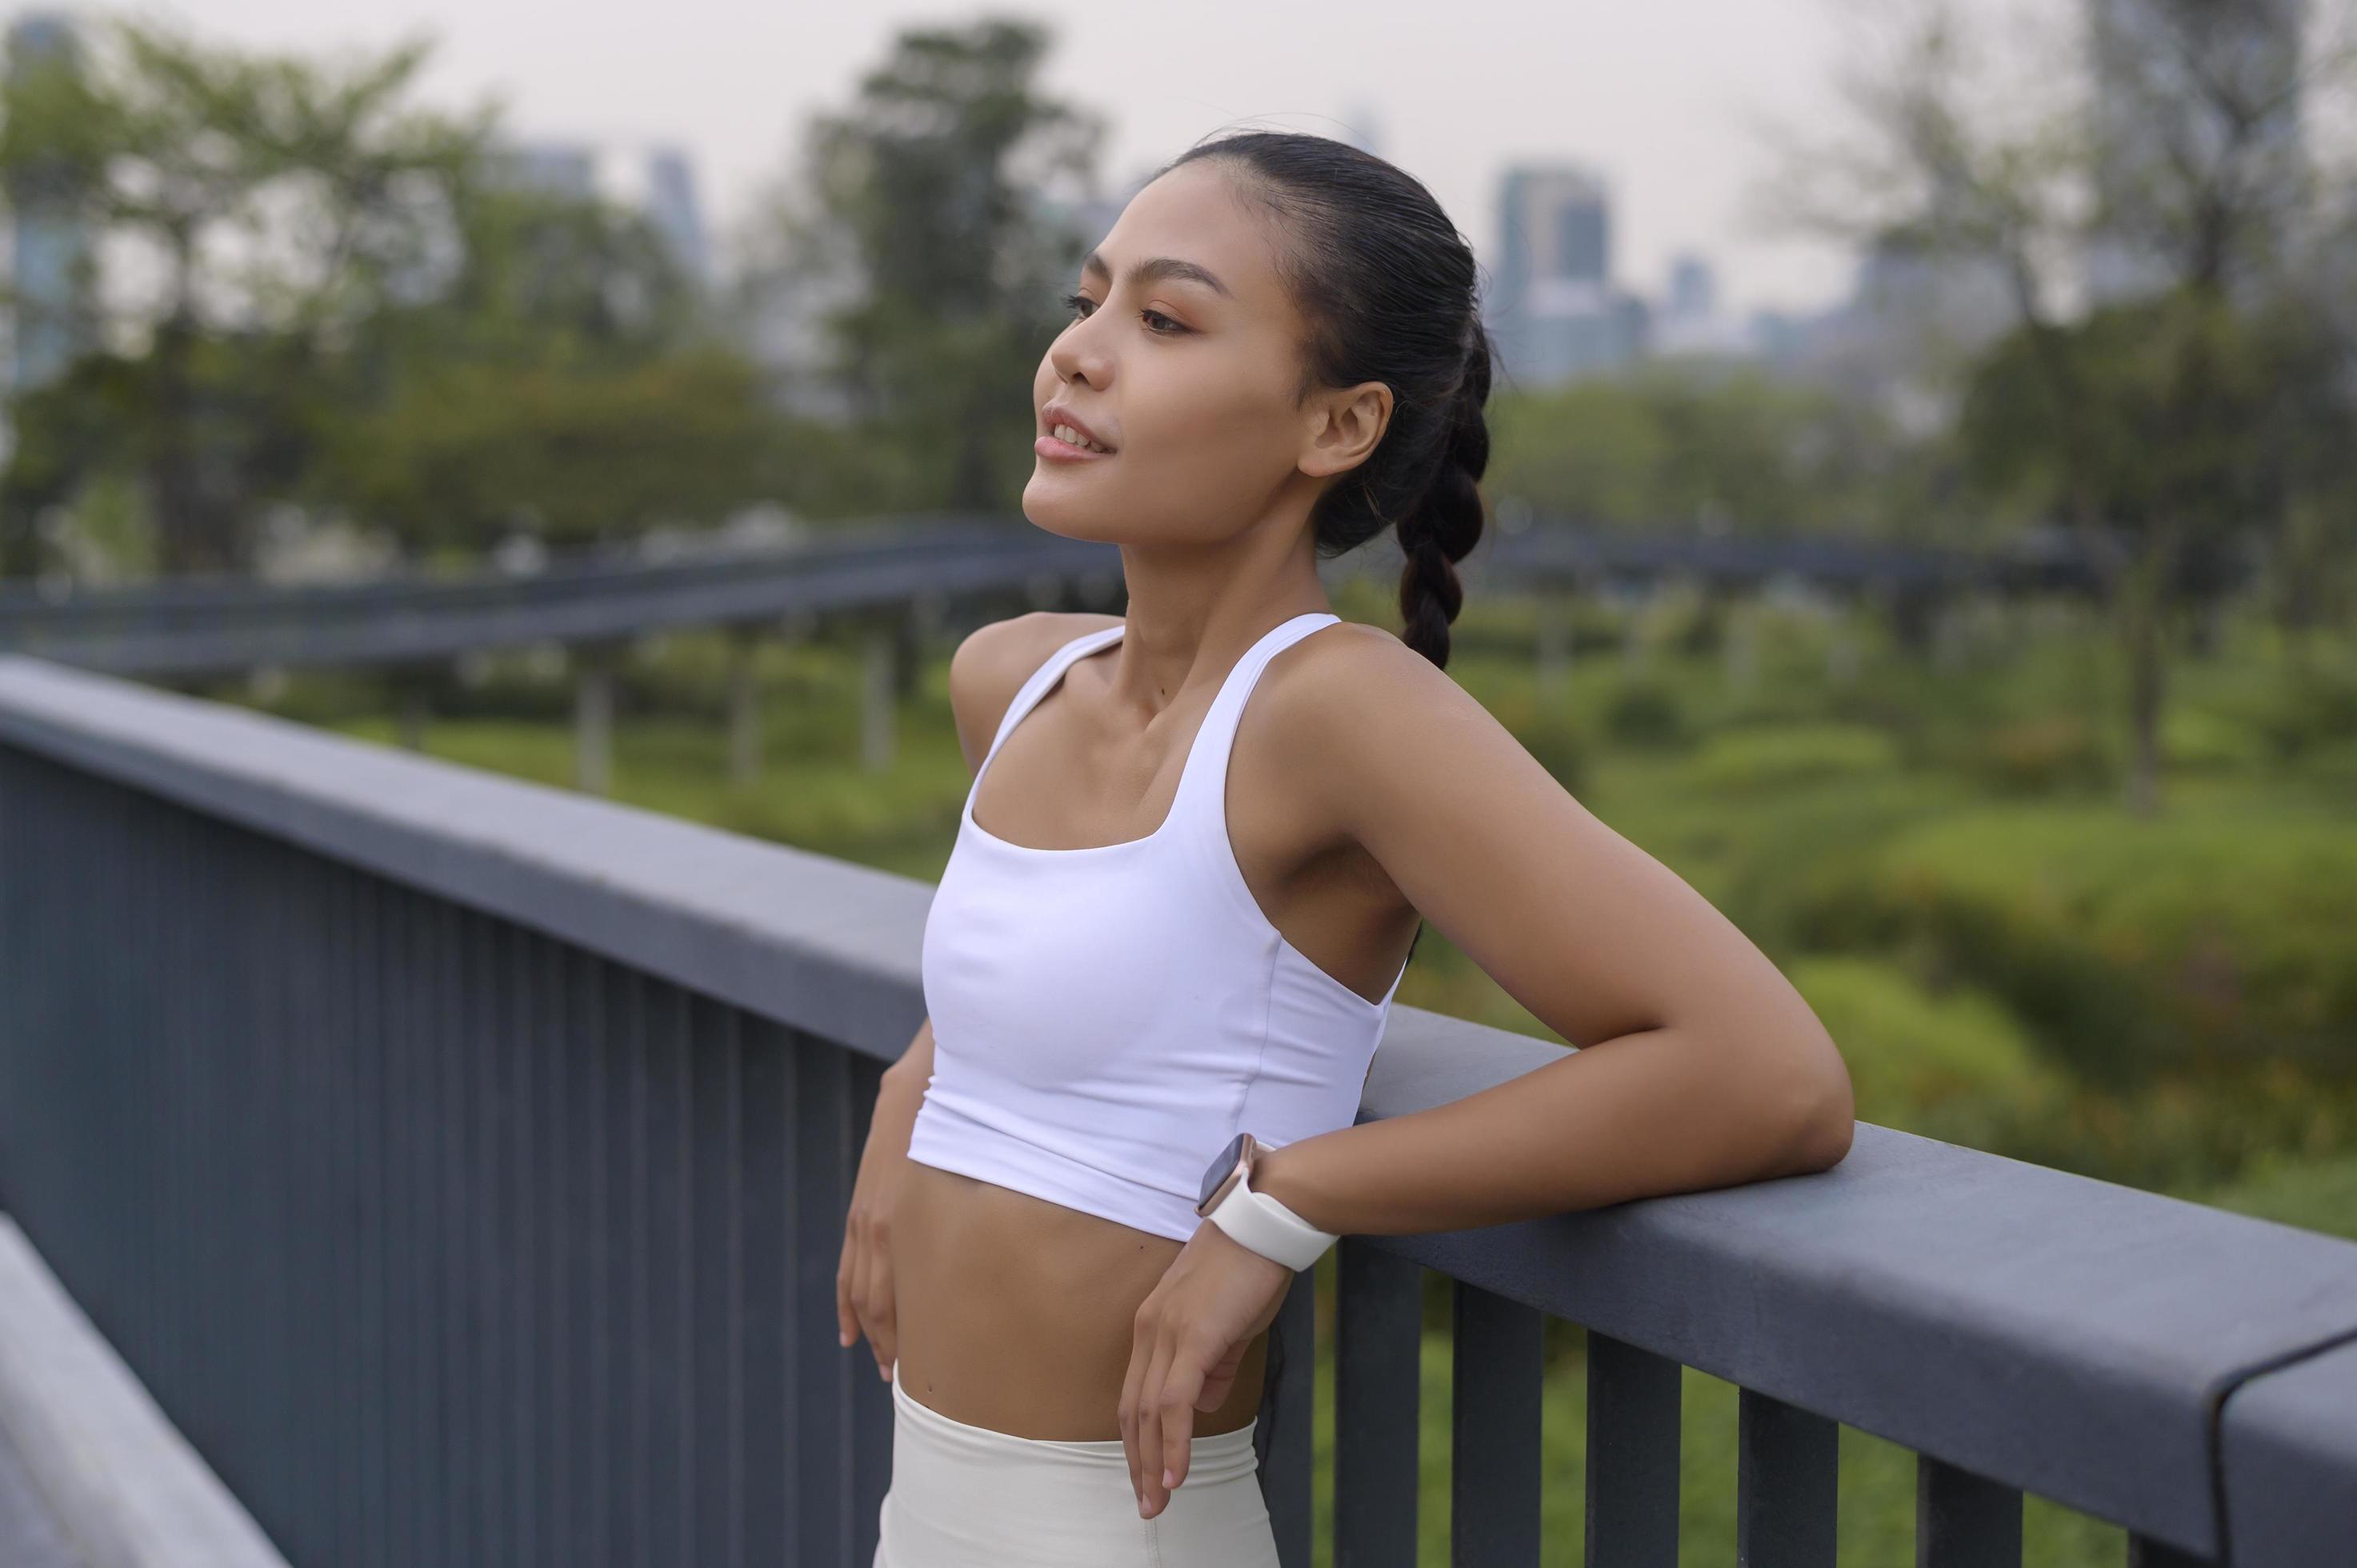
1067, 517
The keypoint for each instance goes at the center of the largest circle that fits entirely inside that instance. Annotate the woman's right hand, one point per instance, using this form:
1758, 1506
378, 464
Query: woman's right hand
862, 1279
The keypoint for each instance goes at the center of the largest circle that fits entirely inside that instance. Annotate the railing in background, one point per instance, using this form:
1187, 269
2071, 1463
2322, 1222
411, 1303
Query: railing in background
922, 564
461, 1163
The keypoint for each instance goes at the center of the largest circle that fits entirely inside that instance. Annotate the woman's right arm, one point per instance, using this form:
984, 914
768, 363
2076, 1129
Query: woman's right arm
862, 1279
991, 663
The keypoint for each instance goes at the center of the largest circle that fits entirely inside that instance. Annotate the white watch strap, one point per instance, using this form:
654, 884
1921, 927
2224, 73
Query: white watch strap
1268, 1228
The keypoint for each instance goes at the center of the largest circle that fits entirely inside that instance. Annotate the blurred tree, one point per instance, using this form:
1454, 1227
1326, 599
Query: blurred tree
924, 206
361, 307
2176, 183
1665, 445
560, 381
276, 200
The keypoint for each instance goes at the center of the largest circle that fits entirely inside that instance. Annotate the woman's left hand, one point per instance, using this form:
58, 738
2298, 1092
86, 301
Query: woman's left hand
1192, 1332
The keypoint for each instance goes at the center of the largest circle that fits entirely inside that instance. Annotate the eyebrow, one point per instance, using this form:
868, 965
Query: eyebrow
1158, 268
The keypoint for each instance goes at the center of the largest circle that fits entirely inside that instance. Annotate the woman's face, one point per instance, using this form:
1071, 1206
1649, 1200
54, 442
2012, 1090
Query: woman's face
1188, 379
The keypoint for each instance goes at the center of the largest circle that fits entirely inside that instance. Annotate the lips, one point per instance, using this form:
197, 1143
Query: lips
1057, 414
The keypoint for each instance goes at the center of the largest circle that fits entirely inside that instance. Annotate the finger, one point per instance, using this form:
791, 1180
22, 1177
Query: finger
1149, 1426
846, 1318
1181, 1385
870, 1303
1140, 1352
883, 1331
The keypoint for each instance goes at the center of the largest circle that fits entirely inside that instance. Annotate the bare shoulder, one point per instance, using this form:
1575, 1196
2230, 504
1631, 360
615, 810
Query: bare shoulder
1371, 732
1356, 680
992, 661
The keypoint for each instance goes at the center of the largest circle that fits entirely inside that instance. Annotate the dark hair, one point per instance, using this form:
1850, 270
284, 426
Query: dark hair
1388, 289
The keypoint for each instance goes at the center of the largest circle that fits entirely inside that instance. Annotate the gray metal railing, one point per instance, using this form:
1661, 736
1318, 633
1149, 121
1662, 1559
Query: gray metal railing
461, 1163
218, 626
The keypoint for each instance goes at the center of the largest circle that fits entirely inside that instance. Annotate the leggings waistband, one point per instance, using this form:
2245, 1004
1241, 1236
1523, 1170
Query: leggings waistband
1215, 1457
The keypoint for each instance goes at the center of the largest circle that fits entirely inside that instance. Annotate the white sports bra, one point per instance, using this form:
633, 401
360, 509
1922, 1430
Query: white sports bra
1106, 1019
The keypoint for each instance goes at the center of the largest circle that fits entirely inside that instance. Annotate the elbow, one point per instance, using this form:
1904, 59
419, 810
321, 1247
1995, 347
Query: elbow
1828, 1120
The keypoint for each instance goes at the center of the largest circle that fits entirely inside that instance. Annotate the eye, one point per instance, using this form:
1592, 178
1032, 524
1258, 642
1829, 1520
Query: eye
1073, 302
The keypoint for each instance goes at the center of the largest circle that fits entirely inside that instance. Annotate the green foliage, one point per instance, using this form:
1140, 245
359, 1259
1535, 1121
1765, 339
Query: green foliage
1670, 445
465, 450
1947, 1064
2128, 946
2051, 753
1757, 758
401, 333
2313, 1193
1646, 711
927, 194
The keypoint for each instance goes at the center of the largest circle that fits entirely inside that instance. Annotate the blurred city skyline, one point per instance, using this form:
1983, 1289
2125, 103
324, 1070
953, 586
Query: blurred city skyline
1666, 102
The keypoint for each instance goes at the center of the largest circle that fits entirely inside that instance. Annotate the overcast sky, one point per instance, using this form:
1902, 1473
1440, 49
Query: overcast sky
1664, 97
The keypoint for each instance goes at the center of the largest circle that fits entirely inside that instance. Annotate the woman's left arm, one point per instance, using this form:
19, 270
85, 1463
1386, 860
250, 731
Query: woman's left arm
1700, 1064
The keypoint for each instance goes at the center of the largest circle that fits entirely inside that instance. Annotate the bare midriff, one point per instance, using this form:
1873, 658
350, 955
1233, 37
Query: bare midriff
1019, 1314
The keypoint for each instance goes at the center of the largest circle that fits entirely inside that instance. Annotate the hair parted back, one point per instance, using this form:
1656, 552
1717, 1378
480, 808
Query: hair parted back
1389, 289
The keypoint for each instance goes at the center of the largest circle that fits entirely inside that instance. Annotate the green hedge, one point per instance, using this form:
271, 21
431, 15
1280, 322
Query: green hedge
2126, 946
1772, 756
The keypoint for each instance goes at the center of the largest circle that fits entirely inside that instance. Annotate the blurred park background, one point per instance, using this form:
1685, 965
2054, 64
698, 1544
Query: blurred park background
2071, 876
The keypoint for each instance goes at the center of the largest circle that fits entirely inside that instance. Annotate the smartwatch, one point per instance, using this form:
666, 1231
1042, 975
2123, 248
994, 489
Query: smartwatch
1255, 1219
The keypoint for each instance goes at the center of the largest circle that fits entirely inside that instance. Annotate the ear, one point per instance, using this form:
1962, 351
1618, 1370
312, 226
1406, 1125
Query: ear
1345, 427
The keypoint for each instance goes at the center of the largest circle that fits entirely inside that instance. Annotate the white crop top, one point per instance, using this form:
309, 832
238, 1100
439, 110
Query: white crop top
1106, 1019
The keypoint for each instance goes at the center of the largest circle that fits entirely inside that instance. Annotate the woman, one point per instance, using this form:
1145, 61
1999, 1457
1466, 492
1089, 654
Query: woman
1166, 943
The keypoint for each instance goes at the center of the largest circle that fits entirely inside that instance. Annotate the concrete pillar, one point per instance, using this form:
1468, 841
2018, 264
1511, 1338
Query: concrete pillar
1634, 629
744, 705
410, 707
879, 662
1740, 645
1841, 645
593, 717
1555, 605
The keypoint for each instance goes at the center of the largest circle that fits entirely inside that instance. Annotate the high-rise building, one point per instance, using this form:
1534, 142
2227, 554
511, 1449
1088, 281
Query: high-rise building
1552, 307
49, 259
658, 181
677, 215
1690, 323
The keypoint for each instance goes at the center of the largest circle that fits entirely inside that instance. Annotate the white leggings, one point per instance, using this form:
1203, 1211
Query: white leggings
967, 1497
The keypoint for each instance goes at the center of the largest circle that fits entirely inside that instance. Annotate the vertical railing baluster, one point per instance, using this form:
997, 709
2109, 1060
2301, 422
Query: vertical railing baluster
311, 1241
455, 1241
1495, 1425
493, 1210
277, 1499
1378, 1357
667, 1277
624, 1179
871, 1403
403, 1012
339, 1046
1787, 1473
373, 1039
770, 1365
557, 1323
1633, 1454
819, 1403
444, 1403
1283, 1448
582, 1384
533, 1170
714, 1290
1963, 1519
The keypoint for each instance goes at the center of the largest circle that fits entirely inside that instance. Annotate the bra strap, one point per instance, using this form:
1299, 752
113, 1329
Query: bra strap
1051, 671
1202, 786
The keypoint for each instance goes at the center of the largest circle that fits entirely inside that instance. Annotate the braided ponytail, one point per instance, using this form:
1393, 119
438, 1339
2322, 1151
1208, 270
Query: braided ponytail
1447, 524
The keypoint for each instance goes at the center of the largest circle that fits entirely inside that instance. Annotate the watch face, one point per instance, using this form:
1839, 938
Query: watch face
1220, 1167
